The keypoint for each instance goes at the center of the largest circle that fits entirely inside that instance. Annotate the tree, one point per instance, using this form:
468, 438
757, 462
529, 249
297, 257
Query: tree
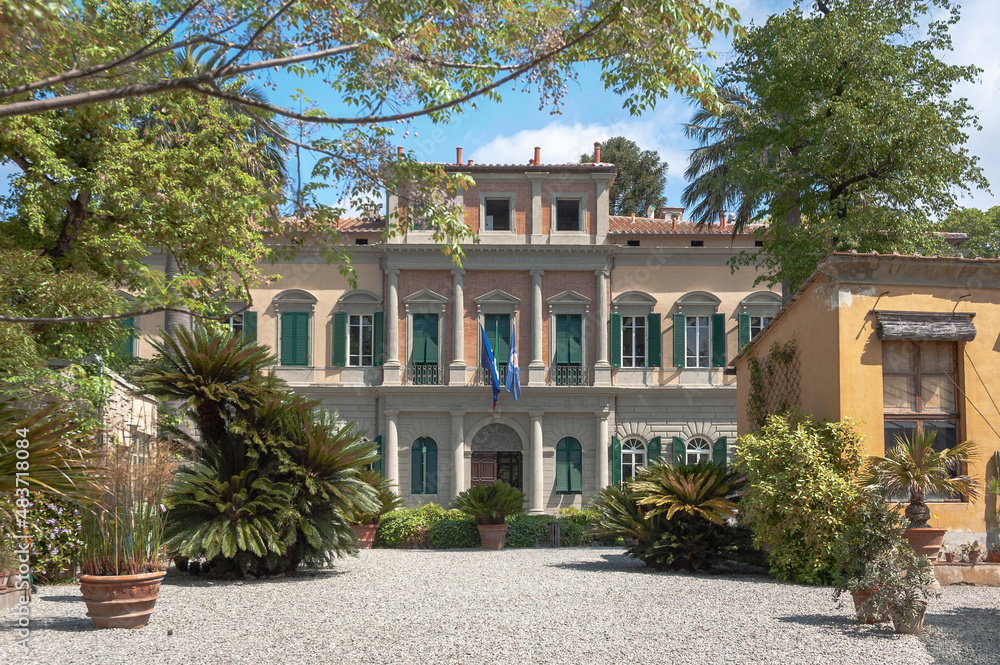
640, 180
839, 132
982, 227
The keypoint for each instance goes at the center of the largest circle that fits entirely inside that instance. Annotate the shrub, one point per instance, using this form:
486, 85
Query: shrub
801, 487
453, 531
55, 532
574, 532
410, 527
527, 530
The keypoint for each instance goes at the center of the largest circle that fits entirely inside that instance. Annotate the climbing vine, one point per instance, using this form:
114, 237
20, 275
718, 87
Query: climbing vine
774, 383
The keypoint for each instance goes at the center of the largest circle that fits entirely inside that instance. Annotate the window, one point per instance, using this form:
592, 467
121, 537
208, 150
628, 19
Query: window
235, 323
633, 458
699, 332
699, 449
360, 340
632, 243
361, 241
423, 466
757, 310
497, 327
569, 466
633, 341
919, 394
295, 338
757, 324
497, 215
425, 349
567, 214
697, 341
569, 349
358, 331
697, 243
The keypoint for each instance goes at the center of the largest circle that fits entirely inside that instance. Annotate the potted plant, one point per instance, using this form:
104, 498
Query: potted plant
949, 556
902, 581
8, 564
365, 524
913, 467
122, 559
489, 506
971, 551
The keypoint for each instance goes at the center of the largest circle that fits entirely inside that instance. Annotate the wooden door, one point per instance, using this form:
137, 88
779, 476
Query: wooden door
484, 468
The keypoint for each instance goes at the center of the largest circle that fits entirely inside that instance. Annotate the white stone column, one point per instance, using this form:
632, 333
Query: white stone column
391, 453
602, 450
602, 368
458, 451
456, 372
391, 368
536, 498
536, 369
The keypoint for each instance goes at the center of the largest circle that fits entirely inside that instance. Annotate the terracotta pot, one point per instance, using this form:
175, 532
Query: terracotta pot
4, 579
993, 556
121, 601
925, 541
974, 557
911, 627
365, 534
864, 614
492, 536
949, 557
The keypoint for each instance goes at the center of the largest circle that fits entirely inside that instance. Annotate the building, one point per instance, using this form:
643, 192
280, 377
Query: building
623, 327
900, 344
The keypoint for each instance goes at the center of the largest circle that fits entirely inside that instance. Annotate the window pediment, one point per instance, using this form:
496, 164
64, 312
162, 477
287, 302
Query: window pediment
569, 298
498, 297
426, 298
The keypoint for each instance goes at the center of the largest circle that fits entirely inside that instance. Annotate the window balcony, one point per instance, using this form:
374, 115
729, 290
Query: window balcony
569, 375
423, 375
483, 375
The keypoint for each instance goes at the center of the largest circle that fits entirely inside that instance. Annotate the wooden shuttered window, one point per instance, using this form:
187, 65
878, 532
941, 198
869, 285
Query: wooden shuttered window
497, 328
680, 350
653, 450
569, 339
720, 451
250, 326
653, 341
680, 451
743, 331
615, 326
569, 466
339, 339
295, 338
718, 340
128, 342
423, 466
616, 461
425, 339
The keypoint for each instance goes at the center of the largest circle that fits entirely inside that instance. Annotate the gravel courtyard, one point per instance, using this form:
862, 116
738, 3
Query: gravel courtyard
572, 605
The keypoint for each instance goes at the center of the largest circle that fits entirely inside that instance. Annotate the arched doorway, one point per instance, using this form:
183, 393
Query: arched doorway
496, 455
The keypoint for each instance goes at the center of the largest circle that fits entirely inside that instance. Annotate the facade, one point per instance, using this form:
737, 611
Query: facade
900, 344
623, 328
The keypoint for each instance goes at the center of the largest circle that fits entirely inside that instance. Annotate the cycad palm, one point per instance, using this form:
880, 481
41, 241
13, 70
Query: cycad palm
697, 491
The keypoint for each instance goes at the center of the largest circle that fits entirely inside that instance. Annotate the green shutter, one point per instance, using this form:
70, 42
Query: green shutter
250, 326
431, 336
431, 477
128, 344
653, 450
377, 466
302, 339
616, 340
720, 453
419, 339
654, 340
340, 339
680, 353
718, 340
744, 330
288, 338
378, 343
575, 339
295, 338
680, 451
562, 462
497, 328
562, 337
575, 466
616, 461
417, 467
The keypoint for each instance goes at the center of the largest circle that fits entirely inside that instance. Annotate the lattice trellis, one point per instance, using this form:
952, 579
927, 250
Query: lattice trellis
774, 383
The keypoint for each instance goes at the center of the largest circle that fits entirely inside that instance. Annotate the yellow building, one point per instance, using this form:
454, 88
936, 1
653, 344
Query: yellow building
899, 343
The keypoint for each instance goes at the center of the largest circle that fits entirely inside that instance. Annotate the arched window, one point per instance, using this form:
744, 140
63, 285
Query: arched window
757, 311
569, 466
699, 449
699, 332
423, 466
295, 309
633, 458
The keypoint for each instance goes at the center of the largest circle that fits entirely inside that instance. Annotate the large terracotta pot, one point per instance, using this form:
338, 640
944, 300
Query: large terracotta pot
365, 534
863, 613
912, 627
925, 541
492, 536
121, 601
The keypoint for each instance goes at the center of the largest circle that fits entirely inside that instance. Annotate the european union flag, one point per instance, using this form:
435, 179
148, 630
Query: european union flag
489, 363
513, 384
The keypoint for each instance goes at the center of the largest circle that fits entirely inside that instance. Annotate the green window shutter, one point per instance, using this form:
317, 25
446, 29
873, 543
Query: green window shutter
654, 340
250, 326
562, 470
497, 328
128, 344
419, 339
562, 339
378, 343
616, 340
431, 476
744, 330
680, 354
339, 339
616, 461
575, 466
653, 450
720, 452
575, 339
288, 338
718, 340
680, 451
377, 466
417, 467
431, 337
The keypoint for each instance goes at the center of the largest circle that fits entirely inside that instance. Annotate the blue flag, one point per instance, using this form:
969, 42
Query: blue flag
489, 363
513, 384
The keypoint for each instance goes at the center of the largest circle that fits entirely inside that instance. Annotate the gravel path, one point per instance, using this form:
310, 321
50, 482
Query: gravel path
573, 606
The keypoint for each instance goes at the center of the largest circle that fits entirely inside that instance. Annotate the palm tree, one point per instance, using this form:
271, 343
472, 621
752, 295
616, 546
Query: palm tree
914, 466
693, 491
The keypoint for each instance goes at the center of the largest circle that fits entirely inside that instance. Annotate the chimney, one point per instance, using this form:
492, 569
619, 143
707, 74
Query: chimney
597, 152
538, 155
399, 152
458, 155
471, 163
531, 162
722, 219
675, 223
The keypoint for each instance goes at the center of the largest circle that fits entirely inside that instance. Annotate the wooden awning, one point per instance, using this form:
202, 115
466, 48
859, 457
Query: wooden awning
926, 326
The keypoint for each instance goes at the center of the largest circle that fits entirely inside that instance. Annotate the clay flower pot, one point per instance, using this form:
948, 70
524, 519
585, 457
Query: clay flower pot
365, 534
974, 556
863, 613
121, 601
492, 536
925, 541
949, 557
914, 626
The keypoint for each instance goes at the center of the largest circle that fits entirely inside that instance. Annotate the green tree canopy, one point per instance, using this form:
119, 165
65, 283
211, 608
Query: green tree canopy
839, 131
982, 227
641, 176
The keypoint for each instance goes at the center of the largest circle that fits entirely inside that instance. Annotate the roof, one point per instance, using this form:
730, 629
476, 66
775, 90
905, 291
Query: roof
361, 224
624, 225
587, 167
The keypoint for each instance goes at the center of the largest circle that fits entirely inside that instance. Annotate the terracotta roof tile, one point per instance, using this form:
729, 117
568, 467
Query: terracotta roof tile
361, 224
622, 225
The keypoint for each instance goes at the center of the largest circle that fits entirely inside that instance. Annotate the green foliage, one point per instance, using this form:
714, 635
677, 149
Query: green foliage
801, 489
454, 530
410, 527
873, 530
54, 527
900, 581
527, 530
761, 399
982, 227
695, 492
915, 467
840, 131
641, 176
490, 504
386, 498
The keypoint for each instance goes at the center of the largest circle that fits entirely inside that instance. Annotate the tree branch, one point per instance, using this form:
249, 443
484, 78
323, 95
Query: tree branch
97, 318
223, 71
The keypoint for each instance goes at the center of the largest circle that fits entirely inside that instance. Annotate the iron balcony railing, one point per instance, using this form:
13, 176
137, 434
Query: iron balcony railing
483, 375
569, 375
423, 375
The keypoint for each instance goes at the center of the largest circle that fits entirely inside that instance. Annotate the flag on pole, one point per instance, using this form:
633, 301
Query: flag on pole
513, 384
489, 363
